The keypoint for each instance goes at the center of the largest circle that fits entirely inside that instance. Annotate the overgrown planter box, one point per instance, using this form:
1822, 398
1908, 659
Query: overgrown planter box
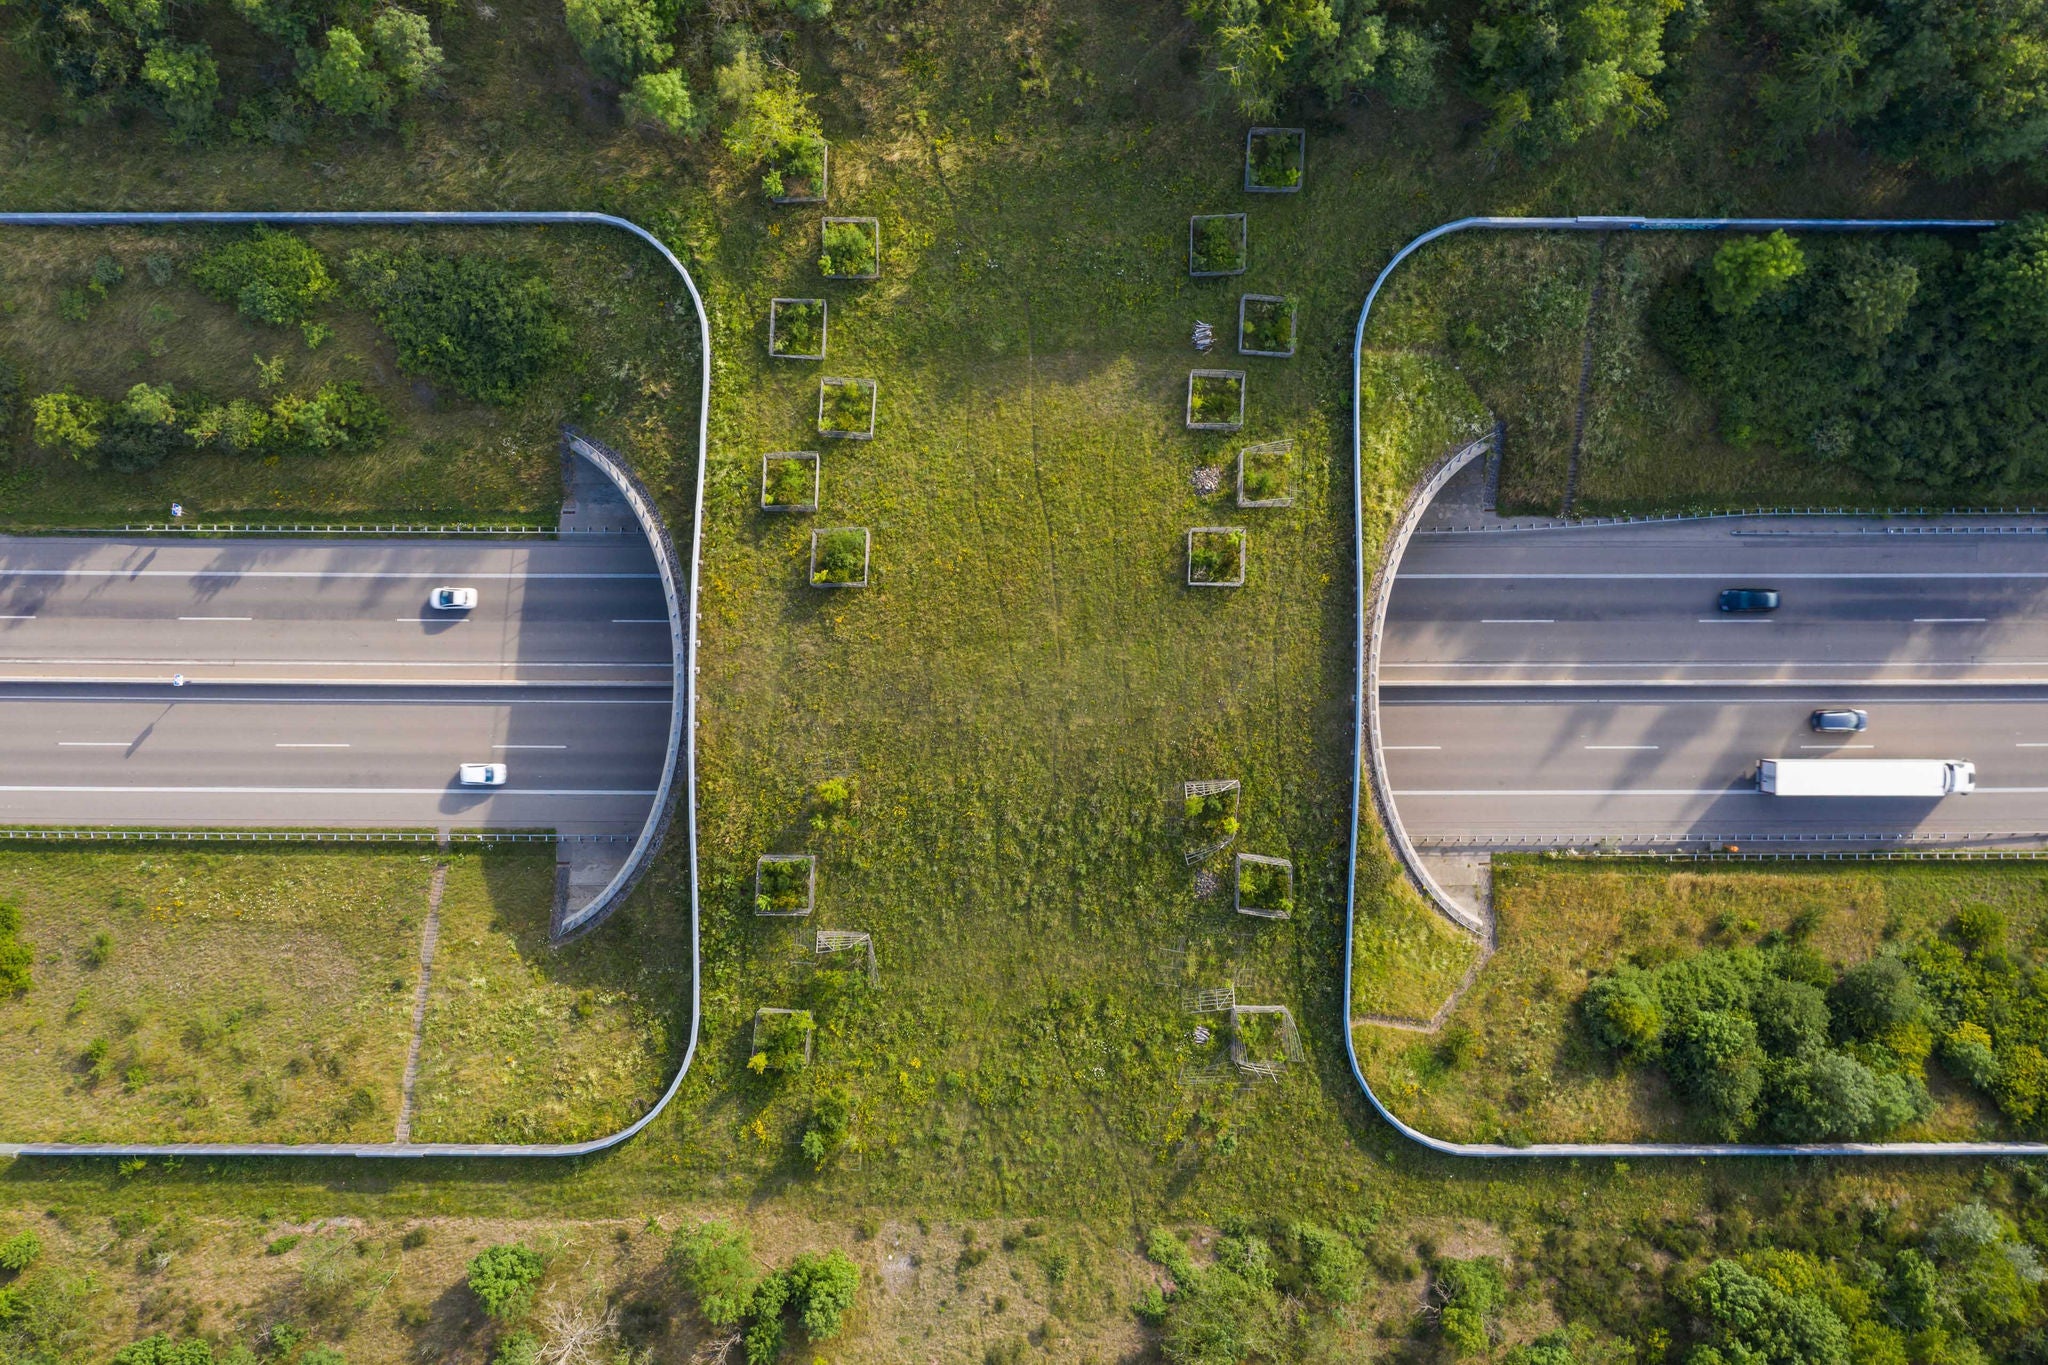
1264, 475
785, 884
1265, 886
1263, 1040
782, 1040
791, 481
797, 328
1216, 556
1265, 325
1215, 400
850, 248
799, 185
1218, 245
1209, 816
839, 557
846, 408
1275, 160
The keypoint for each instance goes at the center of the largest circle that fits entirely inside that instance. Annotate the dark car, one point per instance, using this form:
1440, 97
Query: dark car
1749, 599
1840, 722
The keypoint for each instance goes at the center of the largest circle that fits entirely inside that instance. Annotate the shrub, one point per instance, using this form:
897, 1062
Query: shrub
186, 83
1275, 160
274, 277
486, 325
619, 38
1748, 1317
1875, 997
1218, 245
1469, 1294
406, 49
19, 1252
849, 249
68, 422
2021, 1087
336, 417
1553, 71
1823, 1096
1261, 50
1211, 814
830, 1124
1331, 1264
1217, 556
504, 1277
10, 395
822, 1288
800, 324
1623, 1013
662, 99
1714, 1058
1966, 1051
1748, 268
784, 883
1553, 1348
1792, 1017
162, 1349
517, 1348
343, 79
714, 1262
1268, 326
1265, 887
781, 1042
143, 431
17, 959
841, 556
776, 126
1216, 399
790, 483
849, 405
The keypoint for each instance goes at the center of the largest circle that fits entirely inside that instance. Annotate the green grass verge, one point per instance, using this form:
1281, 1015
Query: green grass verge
1513, 1063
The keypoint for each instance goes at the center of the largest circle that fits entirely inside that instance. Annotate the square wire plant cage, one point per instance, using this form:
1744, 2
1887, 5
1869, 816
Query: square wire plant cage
1256, 465
1272, 870
829, 405
1206, 789
1196, 234
769, 1017
1263, 1040
781, 337
1259, 140
857, 941
1199, 577
833, 538
774, 478
1264, 302
871, 228
812, 194
1205, 382
773, 898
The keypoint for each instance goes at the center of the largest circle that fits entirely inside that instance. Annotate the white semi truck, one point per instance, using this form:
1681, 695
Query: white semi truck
1923, 777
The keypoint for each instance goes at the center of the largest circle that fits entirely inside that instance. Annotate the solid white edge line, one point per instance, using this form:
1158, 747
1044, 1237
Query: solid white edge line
1600, 791
324, 791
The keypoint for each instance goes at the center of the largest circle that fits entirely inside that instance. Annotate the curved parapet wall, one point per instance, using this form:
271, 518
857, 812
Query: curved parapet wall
583, 919
682, 746
1366, 754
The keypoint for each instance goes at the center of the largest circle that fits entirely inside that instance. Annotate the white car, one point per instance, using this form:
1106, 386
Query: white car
483, 774
453, 599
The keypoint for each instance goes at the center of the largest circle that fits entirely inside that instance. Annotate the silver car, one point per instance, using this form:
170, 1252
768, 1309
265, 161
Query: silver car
483, 774
454, 599
1840, 722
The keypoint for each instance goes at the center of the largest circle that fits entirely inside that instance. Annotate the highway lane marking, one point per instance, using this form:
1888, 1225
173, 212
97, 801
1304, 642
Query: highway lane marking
1390, 748
339, 573
17, 618
1734, 621
1695, 577
419, 620
345, 663
216, 618
1621, 746
1596, 791
639, 620
309, 746
94, 743
263, 700
1948, 620
2030, 746
529, 746
331, 791
1517, 620
1832, 747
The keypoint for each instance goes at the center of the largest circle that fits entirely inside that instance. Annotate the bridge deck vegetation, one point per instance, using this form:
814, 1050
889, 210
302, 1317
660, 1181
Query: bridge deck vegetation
1019, 696
1525, 1056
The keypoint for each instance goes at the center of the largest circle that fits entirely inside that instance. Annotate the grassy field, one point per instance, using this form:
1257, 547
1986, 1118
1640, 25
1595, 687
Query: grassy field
631, 364
1513, 1062
1017, 699
268, 996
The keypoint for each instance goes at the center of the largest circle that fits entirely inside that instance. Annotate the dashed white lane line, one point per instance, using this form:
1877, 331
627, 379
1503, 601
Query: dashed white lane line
325, 791
1390, 748
216, 618
529, 746
1948, 620
309, 746
1832, 747
94, 743
1734, 620
1621, 746
639, 620
1517, 620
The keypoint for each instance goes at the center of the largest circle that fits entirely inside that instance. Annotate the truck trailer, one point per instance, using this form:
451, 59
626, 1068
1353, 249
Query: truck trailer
1922, 777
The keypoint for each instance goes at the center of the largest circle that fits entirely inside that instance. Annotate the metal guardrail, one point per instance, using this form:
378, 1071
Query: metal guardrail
684, 632
1361, 710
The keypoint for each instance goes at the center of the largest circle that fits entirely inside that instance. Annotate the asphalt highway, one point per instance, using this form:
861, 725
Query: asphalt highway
1579, 685
321, 690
